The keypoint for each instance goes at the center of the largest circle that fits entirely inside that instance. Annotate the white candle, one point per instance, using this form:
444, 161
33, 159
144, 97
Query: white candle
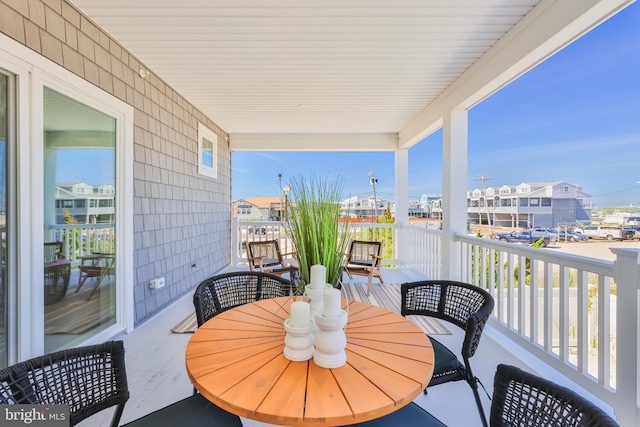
331, 303
300, 314
318, 276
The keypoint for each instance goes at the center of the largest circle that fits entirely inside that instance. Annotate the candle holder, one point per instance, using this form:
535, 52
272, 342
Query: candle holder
298, 342
316, 298
330, 340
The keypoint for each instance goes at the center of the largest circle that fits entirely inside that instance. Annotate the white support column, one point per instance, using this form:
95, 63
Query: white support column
234, 242
627, 278
454, 189
402, 200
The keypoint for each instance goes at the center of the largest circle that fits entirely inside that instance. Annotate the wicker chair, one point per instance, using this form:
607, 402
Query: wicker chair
265, 256
93, 378
57, 272
225, 291
524, 400
363, 259
88, 379
410, 415
465, 306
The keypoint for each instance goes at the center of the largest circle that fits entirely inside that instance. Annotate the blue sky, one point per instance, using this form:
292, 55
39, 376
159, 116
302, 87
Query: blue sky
574, 118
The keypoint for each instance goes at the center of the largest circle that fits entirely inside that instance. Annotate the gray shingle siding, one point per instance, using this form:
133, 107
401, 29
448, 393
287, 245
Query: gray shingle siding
180, 217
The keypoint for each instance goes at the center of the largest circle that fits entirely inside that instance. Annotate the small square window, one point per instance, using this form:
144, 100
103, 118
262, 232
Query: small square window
207, 152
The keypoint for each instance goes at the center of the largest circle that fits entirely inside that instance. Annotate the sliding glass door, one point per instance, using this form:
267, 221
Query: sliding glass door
4, 167
79, 155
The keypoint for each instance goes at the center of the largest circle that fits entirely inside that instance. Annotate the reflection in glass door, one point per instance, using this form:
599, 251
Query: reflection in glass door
79, 221
4, 137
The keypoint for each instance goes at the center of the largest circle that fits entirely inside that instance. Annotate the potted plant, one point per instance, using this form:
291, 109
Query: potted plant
314, 227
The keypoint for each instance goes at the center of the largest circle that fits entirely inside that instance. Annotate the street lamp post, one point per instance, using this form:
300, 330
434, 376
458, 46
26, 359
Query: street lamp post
280, 195
373, 180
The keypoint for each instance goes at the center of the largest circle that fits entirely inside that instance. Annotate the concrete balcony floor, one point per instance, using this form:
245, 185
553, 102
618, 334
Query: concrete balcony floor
157, 376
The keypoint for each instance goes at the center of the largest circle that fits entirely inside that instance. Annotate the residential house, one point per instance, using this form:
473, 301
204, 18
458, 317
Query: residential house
157, 99
271, 208
244, 210
529, 204
364, 206
86, 204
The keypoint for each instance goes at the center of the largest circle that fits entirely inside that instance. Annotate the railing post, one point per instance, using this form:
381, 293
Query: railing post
234, 241
399, 244
627, 279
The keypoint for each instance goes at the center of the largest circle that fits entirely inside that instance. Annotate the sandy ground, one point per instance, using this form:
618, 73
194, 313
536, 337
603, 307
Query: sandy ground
595, 248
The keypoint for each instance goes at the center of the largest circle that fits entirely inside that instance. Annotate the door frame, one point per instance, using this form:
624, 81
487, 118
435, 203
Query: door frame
33, 72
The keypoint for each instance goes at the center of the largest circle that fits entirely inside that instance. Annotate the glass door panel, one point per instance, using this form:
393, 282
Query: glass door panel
79, 221
4, 137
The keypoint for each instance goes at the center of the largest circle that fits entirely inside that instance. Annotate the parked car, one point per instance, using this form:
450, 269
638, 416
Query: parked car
543, 231
606, 232
257, 230
571, 236
527, 237
635, 229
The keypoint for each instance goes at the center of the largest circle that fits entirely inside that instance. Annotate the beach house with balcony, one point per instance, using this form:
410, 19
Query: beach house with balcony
529, 204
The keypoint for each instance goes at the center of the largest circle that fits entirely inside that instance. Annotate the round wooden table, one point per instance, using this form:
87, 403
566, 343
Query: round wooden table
236, 361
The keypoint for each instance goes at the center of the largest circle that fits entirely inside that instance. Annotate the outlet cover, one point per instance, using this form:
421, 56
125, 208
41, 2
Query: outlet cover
157, 283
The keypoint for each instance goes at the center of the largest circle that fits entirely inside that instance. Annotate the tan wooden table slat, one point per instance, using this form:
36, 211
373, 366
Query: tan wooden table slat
236, 360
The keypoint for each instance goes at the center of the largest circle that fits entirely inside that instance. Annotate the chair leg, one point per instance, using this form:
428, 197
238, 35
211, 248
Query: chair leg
370, 279
476, 395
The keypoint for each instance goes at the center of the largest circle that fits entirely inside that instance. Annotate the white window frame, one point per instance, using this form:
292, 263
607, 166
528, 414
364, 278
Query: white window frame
206, 170
33, 72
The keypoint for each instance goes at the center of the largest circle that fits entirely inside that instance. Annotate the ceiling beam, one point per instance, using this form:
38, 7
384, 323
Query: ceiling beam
313, 142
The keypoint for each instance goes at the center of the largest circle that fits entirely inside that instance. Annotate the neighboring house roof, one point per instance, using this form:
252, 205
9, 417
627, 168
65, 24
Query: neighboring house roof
263, 202
534, 186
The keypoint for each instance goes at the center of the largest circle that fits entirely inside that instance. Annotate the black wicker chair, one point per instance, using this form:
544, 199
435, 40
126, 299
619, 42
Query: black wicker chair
194, 411
525, 400
92, 378
461, 304
88, 379
57, 272
411, 415
226, 291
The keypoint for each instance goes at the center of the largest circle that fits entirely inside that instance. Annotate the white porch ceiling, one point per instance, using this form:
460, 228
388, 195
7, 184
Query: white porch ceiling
305, 67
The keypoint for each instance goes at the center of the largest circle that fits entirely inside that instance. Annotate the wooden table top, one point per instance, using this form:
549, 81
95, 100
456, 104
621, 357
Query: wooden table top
236, 361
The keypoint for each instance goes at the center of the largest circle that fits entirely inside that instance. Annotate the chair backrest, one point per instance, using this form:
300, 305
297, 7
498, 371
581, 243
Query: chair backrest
52, 252
88, 379
360, 252
269, 250
526, 400
464, 305
225, 291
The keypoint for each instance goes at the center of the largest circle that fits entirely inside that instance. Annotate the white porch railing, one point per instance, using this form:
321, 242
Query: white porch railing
578, 315
566, 310
82, 239
275, 230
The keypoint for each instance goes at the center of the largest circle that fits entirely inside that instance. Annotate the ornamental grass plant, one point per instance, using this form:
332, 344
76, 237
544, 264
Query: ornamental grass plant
314, 225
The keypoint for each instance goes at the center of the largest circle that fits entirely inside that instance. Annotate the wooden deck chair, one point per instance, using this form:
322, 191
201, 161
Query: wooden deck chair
265, 256
364, 259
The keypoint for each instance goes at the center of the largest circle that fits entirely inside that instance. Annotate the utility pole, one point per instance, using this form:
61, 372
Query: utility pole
373, 180
484, 178
280, 195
